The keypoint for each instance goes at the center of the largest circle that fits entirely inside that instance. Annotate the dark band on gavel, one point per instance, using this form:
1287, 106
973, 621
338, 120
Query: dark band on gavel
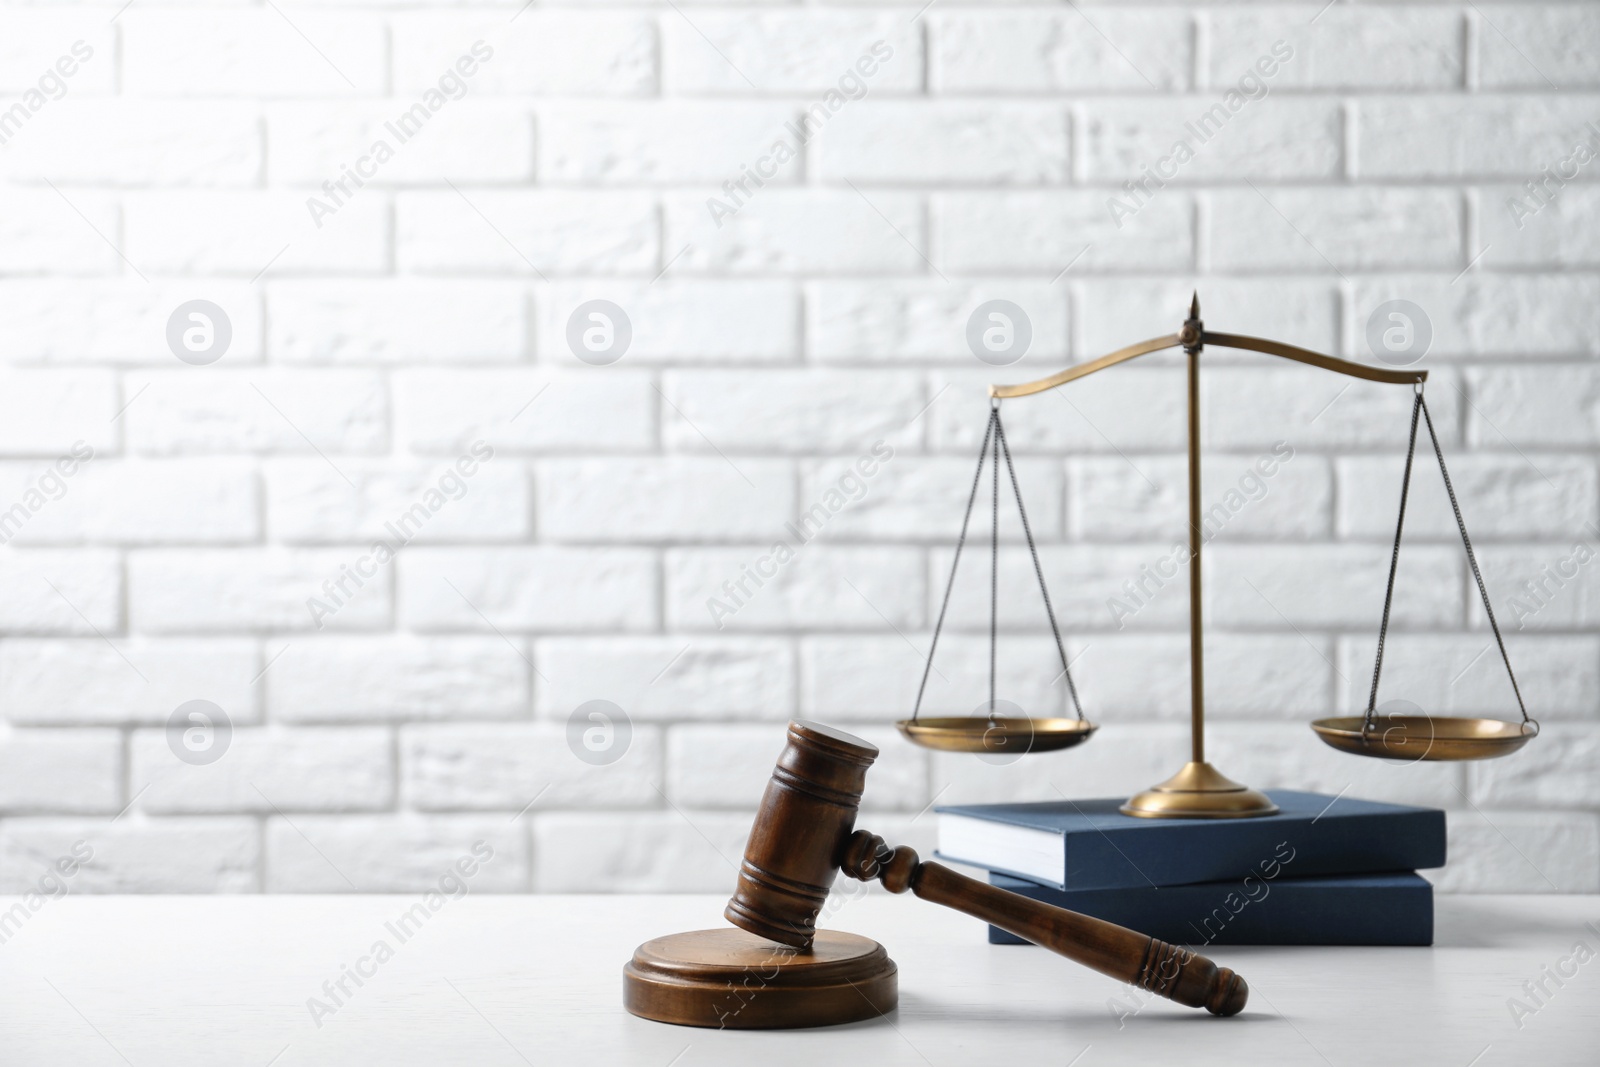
804, 834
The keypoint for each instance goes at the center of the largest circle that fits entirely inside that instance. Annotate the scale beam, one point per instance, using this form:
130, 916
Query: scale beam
1220, 340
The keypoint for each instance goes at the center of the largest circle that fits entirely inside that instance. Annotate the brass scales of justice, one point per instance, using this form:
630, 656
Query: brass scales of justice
773, 968
1199, 790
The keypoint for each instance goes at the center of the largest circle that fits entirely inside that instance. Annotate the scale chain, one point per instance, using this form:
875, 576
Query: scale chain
1420, 407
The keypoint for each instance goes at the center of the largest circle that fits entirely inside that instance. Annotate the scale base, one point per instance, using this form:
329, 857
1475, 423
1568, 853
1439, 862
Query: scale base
733, 980
1199, 791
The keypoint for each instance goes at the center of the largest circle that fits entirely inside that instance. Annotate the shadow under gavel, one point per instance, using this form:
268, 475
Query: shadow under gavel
804, 835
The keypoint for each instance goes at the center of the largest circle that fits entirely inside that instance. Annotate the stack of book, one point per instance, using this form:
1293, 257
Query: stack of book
1323, 871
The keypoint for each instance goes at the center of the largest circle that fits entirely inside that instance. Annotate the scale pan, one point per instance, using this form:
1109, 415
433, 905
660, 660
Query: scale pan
1422, 737
998, 736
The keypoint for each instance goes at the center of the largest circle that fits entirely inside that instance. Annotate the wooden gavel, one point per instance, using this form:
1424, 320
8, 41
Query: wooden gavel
804, 834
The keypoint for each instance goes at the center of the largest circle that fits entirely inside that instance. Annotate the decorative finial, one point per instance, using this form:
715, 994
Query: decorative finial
1193, 328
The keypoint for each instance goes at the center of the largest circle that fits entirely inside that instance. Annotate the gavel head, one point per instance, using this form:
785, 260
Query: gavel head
798, 838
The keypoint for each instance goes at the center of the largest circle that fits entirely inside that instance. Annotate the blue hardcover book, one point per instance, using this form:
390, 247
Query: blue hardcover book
1088, 844
1344, 909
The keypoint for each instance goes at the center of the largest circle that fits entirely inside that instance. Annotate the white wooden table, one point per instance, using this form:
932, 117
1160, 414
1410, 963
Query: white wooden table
168, 981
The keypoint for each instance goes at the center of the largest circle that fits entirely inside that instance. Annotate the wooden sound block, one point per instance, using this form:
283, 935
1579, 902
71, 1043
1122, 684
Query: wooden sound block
730, 979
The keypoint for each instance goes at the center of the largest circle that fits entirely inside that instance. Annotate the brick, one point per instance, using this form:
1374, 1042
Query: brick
397, 677
607, 143
1255, 407
811, 53
251, 53
1299, 311
524, 767
1349, 229
1554, 772
47, 412
117, 320
1434, 136
912, 497
1533, 404
821, 586
1026, 51
526, 232
1536, 46
136, 502
136, 143
1416, 48
138, 680
794, 231
524, 411
919, 143
1547, 586
1556, 228
540, 53
45, 591
722, 765
1271, 494
1521, 852
638, 852
1128, 410
904, 321
676, 677
676, 499
262, 410
1248, 676
472, 140
527, 588
247, 589
60, 771
1525, 315
1501, 496
1087, 584
1271, 138
1332, 585
395, 321
248, 233
267, 770
394, 854
181, 855
1049, 231
790, 411
397, 501
42, 233
1462, 674
699, 322
56, 53
872, 678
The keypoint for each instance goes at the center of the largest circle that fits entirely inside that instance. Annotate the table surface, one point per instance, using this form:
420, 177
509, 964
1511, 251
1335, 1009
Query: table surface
489, 980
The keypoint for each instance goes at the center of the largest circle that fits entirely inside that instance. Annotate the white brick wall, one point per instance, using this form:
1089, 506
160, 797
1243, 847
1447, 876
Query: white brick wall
400, 358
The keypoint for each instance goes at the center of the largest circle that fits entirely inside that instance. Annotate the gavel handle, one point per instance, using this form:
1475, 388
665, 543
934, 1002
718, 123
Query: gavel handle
1166, 970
